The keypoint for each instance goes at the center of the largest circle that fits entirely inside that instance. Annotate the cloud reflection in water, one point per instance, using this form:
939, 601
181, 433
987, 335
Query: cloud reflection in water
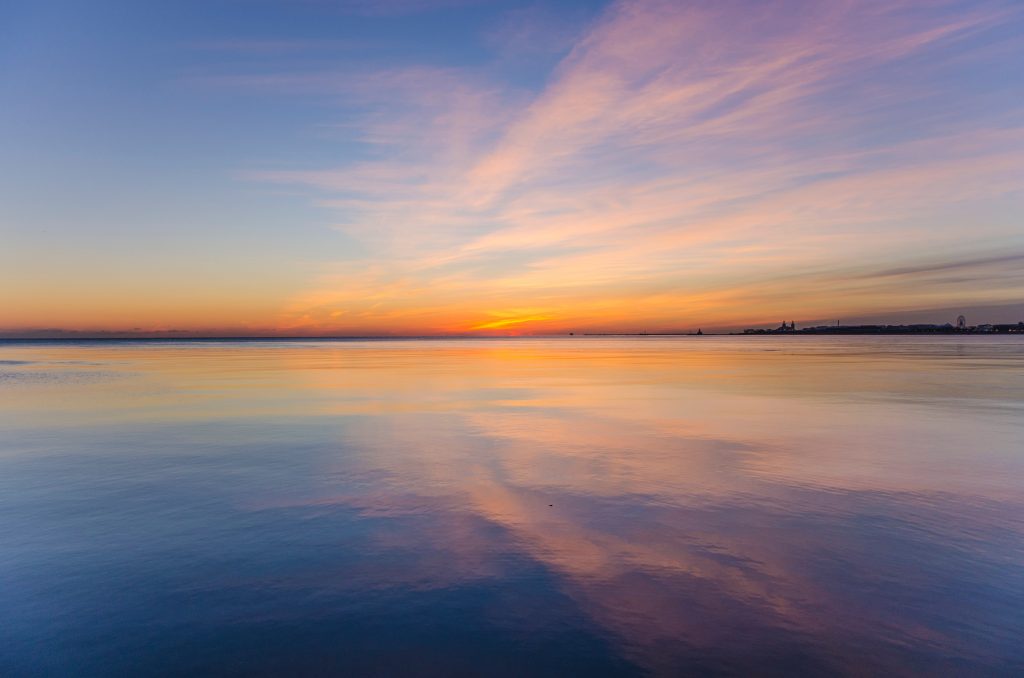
665, 506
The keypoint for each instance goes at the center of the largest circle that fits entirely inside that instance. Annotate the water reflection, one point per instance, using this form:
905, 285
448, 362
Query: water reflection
718, 505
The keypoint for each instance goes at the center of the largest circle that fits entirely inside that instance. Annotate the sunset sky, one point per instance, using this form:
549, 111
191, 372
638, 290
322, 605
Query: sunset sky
360, 167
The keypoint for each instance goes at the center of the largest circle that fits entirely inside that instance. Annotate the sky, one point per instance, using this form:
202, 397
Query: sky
421, 167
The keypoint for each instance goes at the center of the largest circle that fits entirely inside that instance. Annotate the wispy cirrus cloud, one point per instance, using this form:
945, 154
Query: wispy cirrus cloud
684, 163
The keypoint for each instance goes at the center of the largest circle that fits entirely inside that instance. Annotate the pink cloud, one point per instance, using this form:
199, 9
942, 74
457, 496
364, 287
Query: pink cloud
703, 152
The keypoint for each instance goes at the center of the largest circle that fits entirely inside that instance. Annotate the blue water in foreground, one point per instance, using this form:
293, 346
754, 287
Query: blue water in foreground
571, 507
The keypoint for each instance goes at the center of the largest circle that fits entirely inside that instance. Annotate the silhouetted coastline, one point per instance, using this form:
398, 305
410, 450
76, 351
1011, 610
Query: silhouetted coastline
790, 328
959, 328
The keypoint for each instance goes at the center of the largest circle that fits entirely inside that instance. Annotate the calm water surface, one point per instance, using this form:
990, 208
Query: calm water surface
578, 506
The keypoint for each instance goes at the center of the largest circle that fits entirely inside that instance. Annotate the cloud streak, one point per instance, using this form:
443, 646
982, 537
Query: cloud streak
684, 164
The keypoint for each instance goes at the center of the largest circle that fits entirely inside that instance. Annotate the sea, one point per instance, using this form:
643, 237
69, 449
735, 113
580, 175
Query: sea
572, 506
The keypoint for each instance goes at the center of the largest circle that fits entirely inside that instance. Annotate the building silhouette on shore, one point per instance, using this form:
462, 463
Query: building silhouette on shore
961, 327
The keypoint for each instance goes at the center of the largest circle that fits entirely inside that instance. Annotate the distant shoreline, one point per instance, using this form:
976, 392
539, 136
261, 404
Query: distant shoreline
946, 330
263, 339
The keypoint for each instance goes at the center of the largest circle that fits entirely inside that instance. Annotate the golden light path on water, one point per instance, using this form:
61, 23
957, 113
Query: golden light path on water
654, 505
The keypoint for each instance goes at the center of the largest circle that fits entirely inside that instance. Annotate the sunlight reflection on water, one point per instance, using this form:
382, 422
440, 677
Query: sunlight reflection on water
500, 507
